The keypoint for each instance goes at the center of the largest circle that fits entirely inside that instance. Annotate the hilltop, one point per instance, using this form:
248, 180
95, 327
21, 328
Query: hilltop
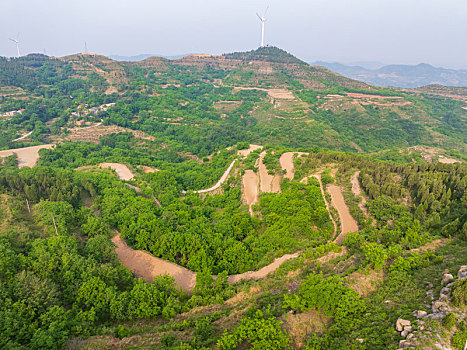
259, 92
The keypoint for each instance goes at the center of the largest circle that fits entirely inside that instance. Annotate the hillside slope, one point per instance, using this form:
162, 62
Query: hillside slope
234, 97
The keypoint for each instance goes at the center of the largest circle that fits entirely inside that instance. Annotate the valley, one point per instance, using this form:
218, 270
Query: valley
238, 201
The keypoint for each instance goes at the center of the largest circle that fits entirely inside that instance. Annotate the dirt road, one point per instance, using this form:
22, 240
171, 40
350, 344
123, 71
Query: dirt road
123, 172
348, 223
27, 156
24, 136
263, 272
148, 266
220, 182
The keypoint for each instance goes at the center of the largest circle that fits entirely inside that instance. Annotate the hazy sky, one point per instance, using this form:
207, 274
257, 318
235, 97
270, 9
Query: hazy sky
389, 31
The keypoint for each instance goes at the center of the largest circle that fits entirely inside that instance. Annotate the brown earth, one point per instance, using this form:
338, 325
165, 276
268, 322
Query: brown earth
357, 191
268, 183
148, 266
263, 272
147, 169
365, 284
246, 152
94, 133
348, 223
27, 156
250, 188
300, 325
447, 160
286, 162
123, 172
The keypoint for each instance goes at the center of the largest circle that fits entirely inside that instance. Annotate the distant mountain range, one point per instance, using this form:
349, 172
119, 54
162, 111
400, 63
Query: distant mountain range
398, 75
143, 57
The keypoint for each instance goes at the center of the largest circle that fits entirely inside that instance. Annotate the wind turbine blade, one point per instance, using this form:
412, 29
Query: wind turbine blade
257, 14
267, 8
12, 40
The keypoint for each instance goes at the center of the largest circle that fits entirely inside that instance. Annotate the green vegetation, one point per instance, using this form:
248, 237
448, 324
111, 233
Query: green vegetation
61, 280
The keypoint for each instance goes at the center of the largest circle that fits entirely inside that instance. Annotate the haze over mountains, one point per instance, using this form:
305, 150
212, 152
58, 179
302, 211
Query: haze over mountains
398, 75
374, 73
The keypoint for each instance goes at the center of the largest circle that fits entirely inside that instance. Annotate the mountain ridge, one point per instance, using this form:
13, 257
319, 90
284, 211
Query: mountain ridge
400, 75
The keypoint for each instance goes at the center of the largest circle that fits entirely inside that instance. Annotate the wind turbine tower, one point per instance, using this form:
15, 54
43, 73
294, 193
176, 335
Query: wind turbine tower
16, 41
262, 19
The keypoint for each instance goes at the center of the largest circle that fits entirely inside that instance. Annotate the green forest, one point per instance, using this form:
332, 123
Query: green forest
232, 178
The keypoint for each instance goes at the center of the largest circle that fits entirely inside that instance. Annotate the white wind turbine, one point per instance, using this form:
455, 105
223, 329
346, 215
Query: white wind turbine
262, 19
16, 41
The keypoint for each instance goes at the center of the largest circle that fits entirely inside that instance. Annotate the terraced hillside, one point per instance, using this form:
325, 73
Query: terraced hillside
242, 201
261, 96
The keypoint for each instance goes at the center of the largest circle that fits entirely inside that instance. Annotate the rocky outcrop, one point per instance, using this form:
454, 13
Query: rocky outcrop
419, 336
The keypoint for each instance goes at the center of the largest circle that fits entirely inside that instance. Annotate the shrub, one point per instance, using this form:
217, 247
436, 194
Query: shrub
459, 293
449, 321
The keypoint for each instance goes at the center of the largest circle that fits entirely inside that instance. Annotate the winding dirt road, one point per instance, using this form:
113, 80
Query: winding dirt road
23, 137
148, 266
218, 183
318, 177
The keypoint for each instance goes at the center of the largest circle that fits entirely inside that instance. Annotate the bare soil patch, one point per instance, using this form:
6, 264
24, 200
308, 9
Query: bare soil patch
357, 191
94, 133
27, 156
268, 183
281, 94
148, 266
365, 284
123, 172
286, 162
250, 188
348, 223
302, 324
431, 246
447, 160
246, 152
147, 169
